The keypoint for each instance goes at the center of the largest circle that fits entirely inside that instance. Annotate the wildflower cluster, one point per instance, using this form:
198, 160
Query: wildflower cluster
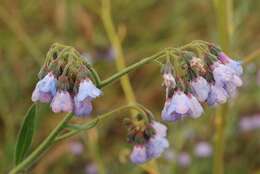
201, 73
149, 140
212, 78
65, 83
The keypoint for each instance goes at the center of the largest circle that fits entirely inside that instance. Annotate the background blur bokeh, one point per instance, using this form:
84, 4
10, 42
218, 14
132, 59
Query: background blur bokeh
29, 27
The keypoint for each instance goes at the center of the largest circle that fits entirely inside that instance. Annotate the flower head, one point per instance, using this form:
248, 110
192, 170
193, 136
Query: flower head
217, 95
45, 89
62, 102
176, 107
235, 65
154, 144
82, 108
200, 88
87, 90
196, 109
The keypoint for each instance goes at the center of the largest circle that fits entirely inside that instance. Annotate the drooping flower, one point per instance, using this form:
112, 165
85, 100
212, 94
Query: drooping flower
176, 107
82, 101
217, 95
203, 149
82, 108
87, 90
153, 147
45, 89
235, 65
139, 155
200, 88
195, 109
62, 102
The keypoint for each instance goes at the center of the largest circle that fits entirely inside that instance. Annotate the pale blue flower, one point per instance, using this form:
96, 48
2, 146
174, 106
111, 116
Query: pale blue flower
196, 109
82, 108
139, 155
222, 73
87, 90
62, 102
156, 146
160, 129
176, 107
184, 159
235, 65
200, 88
217, 95
45, 89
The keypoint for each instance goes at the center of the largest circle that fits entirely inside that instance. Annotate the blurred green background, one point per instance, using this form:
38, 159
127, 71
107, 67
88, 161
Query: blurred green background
29, 27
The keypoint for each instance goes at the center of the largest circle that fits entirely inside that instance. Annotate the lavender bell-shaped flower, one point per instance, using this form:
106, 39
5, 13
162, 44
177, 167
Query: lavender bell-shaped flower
45, 89
200, 88
62, 101
235, 65
196, 109
82, 101
158, 143
139, 155
176, 107
217, 95
153, 147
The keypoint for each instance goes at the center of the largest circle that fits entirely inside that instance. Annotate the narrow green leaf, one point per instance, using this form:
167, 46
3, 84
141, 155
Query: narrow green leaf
25, 136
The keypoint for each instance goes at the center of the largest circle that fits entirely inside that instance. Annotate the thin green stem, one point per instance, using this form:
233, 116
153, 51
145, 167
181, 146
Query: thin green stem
116, 43
126, 70
42, 147
95, 121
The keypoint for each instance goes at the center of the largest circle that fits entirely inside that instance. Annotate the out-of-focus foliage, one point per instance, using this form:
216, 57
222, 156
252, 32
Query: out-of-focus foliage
28, 28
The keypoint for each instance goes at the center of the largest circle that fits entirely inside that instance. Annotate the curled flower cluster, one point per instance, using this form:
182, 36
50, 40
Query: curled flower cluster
212, 79
66, 85
149, 141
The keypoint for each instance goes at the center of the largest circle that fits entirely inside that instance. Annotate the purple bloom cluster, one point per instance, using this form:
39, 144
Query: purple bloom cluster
67, 93
153, 146
212, 80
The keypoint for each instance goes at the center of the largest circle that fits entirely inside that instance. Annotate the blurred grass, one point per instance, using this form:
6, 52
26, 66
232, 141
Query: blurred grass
29, 27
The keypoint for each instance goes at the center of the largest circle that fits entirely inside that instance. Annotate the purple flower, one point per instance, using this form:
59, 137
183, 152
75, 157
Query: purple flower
200, 88
176, 107
224, 75
82, 108
184, 159
62, 102
45, 89
139, 155
203, 149
217, 95
87, 90
195, 107
235, 65
155, 146
160, 129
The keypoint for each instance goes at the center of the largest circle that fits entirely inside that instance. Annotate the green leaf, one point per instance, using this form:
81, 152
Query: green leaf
25, 136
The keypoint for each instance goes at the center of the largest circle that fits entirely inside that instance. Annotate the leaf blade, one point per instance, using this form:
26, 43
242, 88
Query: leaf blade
25, 135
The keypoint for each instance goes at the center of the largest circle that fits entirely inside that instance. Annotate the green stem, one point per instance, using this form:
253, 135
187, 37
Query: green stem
115, 41
42, 147
126, 70
95, 121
